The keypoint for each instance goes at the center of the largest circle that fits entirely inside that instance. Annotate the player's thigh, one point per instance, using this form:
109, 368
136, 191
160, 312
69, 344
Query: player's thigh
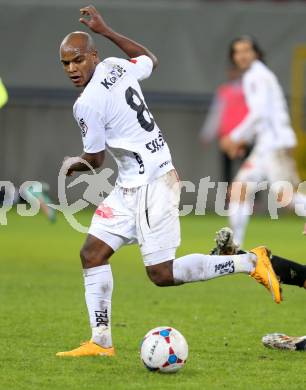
114, 219
158, 225
252, 169
282, 168
95, 252
249, 175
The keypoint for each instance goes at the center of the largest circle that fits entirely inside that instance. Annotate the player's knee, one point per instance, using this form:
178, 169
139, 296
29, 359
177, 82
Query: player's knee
86, 257
90, 258
161, 274
160, 279
95, 252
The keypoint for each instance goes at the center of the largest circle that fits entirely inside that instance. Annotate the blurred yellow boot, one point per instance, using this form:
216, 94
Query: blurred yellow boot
264, 273
88, 349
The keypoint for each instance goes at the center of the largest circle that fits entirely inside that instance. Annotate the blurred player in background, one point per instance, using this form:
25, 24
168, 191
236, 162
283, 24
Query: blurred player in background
267, 124
143, 207
43, 198
11, 196
18, 195
227, 110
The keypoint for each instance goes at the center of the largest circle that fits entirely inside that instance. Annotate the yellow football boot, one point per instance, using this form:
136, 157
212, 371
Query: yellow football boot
264, 273
88, 349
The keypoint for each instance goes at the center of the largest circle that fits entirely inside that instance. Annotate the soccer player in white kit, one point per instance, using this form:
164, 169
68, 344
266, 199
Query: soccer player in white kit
143, 207
267, 125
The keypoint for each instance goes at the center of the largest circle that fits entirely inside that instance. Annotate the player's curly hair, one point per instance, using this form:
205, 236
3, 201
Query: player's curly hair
255, 45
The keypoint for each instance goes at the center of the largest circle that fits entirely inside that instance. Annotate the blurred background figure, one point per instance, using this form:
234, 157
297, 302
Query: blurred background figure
3, 94
24, 195
227, 110
43, 198
267, 125
18, 196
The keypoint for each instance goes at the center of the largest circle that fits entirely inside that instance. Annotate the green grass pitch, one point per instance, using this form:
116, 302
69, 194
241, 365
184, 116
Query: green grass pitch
43, 311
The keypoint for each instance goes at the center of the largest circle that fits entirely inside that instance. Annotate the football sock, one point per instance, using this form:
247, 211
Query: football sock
239, 215
98, 283
197, 267
288, 271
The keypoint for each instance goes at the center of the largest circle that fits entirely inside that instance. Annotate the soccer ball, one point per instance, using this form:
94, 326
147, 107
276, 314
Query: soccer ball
164, 349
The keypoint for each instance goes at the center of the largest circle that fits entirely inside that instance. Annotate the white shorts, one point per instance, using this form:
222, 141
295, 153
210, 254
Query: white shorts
273, 166
147, 215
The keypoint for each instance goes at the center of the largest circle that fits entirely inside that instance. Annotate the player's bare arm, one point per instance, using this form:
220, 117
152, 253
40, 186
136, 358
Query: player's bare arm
97, 24
77, 164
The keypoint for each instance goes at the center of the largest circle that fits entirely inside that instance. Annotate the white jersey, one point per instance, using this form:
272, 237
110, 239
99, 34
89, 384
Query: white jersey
268, 122
113, 115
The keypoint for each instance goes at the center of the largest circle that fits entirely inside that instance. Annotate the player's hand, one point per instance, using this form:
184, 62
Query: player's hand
241, 150
95, 21
231, 148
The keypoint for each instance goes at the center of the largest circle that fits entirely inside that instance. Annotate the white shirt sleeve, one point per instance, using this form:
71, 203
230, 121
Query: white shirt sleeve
92, 128
255, 88
141, 67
